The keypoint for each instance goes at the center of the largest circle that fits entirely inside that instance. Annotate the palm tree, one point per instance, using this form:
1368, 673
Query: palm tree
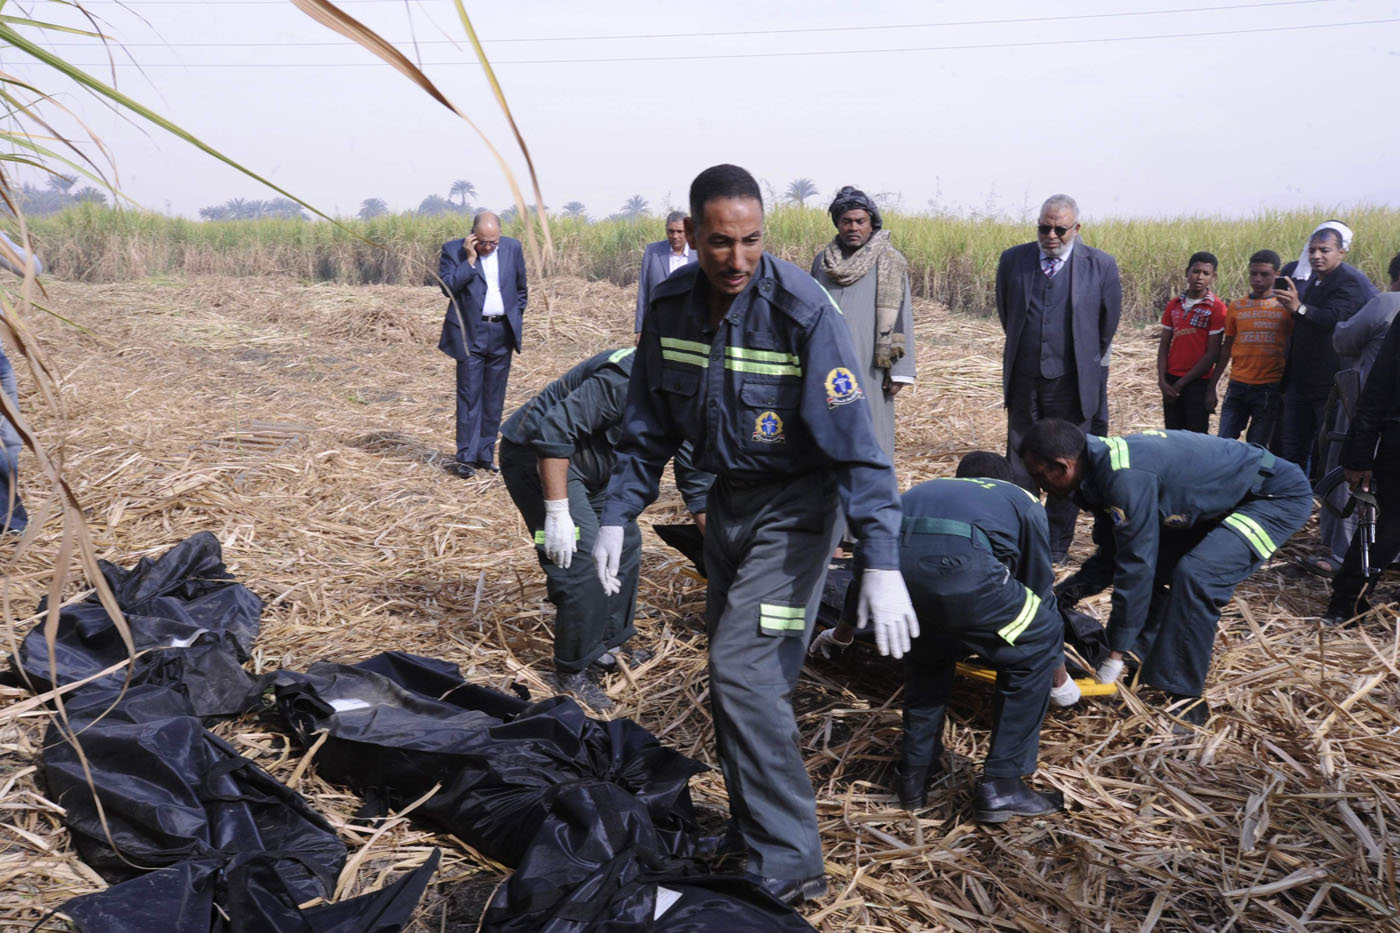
214, 212
575, 209
464, 188
800, 190
372, 207
89, 195
285, 209
509, 214
434, 204
60, 183
634, 207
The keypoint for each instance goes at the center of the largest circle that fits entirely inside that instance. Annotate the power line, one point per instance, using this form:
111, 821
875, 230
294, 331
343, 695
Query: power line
705, 35
737, 55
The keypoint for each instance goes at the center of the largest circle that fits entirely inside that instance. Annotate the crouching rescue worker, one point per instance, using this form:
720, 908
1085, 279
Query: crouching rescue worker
556, 456
975, 554
745, 356
1181, 519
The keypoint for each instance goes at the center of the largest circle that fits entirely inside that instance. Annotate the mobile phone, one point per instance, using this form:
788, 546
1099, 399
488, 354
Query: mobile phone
1282, 283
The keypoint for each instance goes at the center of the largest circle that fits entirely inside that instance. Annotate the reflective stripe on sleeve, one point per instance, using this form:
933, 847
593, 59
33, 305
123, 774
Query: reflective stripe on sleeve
685, 351
774, 618
1117, 453
1013, 629
1253, 532
539, 537
764, 362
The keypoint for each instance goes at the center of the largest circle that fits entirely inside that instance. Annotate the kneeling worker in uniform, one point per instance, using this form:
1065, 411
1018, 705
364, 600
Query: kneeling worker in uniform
746, 357
975, 553
556, 457
1181, 519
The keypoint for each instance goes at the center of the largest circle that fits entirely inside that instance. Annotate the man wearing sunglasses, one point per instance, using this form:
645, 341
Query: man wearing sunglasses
1058, 300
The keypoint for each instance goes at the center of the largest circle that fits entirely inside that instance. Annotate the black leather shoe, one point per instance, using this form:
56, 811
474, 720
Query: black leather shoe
487, 465
458, 468
996, 800
584, 686
912, 783
1191, 710
789, 891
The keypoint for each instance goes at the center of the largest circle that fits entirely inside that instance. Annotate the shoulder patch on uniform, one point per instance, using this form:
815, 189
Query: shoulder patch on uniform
1118, 515
768, 428
841, 387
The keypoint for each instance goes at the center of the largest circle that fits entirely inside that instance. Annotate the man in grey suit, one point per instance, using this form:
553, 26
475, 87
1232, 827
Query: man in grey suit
1059, 301
661, 259
483, 275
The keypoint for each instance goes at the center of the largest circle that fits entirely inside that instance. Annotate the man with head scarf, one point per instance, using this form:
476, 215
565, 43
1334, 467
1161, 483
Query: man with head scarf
1323, 291
869, 281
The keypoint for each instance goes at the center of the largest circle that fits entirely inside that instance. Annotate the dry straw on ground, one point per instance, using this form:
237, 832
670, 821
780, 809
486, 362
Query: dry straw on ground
306, 425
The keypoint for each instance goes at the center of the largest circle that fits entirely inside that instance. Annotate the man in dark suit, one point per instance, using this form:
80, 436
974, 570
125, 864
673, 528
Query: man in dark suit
484, 276
661, 259
1059, 301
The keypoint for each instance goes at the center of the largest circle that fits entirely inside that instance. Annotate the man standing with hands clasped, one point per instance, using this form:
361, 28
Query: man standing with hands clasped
484, 276
746, 358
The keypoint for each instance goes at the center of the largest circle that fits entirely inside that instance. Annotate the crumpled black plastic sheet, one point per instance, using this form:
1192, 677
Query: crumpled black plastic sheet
597, 865
251, 898
185, 606
397, 725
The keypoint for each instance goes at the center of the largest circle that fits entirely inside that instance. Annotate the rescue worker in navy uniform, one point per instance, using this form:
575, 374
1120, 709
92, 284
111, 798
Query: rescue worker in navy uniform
745, 356
1181, 519
556, 457
975, 552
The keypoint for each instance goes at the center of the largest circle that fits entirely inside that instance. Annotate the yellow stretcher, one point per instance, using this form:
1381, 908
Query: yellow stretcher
1088, 686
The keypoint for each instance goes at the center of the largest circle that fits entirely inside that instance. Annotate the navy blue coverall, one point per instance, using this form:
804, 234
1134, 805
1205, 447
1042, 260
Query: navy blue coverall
975, 554
771, 401
578, 417
1194, 513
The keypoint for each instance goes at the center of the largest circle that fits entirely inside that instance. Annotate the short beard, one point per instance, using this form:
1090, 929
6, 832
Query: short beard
1058, 251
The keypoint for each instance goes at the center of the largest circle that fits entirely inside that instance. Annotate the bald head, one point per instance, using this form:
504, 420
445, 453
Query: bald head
486, 233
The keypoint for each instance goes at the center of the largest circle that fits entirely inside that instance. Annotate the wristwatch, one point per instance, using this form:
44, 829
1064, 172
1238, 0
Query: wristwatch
1302, 310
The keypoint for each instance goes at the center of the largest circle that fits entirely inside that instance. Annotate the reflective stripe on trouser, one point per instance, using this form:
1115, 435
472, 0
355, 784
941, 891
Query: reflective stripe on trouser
967, 601
587, 621
766, 551
1204, 579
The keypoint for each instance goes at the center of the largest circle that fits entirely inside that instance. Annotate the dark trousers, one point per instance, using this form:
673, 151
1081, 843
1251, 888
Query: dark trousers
1349, 586
766, 551
481, 394
587, 621
966, 601
1187, 412
1202, 566
1302, 419
1031, 400
1256, 406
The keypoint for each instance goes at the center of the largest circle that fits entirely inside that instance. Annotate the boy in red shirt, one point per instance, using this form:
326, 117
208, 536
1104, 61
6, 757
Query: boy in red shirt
1255, 348
1192, 328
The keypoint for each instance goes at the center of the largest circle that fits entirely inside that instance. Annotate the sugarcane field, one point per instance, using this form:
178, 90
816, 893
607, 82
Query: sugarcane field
305, 427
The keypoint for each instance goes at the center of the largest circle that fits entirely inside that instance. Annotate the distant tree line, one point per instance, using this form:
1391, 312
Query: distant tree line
57, 194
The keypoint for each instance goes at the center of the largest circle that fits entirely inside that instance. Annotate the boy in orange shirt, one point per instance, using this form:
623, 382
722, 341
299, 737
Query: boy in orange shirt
1256, 340
1192, 327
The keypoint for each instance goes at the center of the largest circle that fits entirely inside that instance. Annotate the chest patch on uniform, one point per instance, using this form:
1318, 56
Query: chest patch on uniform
768, 428
841, 387
1176, 521
1118, 515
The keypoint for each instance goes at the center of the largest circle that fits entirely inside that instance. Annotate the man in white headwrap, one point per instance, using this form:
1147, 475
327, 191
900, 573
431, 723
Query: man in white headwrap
869, 281
1324, 290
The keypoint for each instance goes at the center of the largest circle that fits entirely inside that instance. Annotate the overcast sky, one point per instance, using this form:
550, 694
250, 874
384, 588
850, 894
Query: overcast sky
1146, 108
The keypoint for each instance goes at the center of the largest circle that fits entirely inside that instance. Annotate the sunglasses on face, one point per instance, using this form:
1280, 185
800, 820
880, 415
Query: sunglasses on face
1044, 230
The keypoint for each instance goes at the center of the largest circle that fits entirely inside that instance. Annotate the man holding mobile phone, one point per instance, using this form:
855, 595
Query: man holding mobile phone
483, 275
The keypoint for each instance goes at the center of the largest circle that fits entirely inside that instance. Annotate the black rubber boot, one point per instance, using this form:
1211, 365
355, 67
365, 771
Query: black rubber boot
789, 891
996, 800
911, 783
584, 687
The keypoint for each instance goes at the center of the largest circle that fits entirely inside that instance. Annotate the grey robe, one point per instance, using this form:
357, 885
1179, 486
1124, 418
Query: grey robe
857, 304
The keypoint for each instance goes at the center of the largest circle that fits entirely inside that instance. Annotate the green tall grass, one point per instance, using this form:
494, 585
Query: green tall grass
951, 259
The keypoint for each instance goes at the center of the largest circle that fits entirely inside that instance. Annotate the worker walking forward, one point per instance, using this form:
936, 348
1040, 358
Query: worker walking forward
746, 357
976, 555
1181, 520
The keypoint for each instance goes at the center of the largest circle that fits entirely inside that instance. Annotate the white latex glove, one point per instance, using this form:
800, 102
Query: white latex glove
560, 536
1109, 671
607, 553
885, 602
826, 644
1066, 694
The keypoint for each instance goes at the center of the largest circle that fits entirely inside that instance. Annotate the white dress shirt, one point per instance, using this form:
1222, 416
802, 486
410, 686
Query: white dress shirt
493, 306
677, 260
